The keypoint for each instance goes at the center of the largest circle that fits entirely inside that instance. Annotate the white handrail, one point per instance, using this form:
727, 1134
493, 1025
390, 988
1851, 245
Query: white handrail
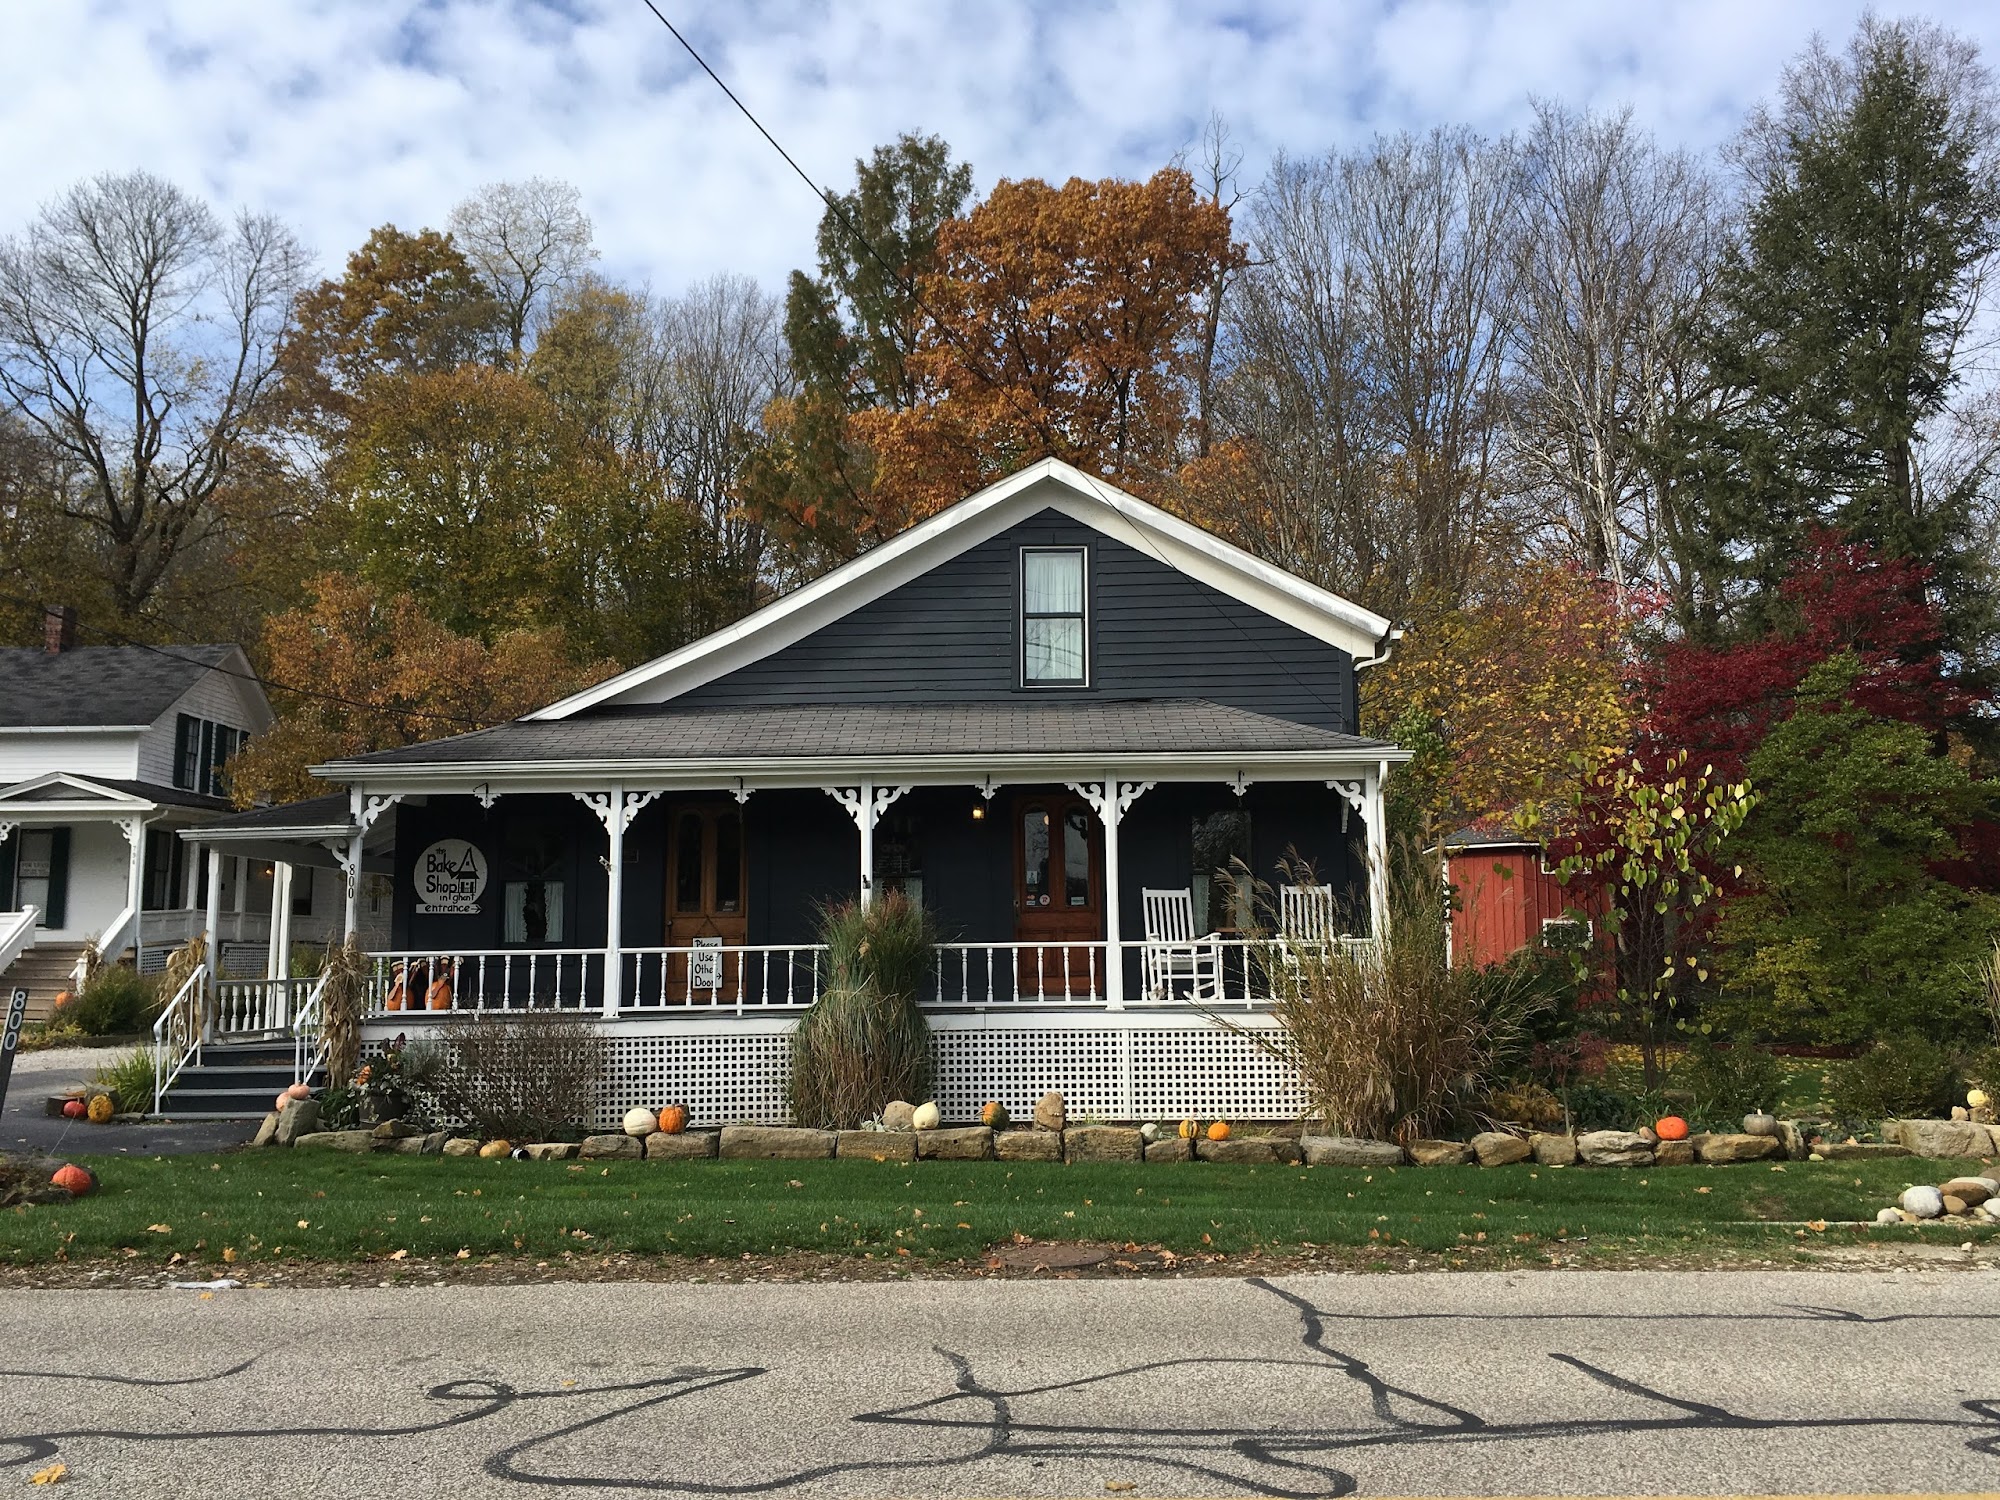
177, 1034
309, 1039
110, 943
17, 933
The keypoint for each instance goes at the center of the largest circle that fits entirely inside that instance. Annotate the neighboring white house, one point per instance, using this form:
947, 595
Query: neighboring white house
106, 754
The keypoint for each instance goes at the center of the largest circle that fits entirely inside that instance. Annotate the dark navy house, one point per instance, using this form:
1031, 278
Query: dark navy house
1052, 714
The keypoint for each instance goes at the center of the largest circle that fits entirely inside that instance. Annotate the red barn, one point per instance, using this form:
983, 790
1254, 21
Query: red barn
1505, 897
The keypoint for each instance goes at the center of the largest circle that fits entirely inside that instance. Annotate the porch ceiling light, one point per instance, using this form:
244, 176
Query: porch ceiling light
979, 812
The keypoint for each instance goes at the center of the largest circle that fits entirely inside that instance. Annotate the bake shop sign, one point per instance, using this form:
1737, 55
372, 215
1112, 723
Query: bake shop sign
450, 875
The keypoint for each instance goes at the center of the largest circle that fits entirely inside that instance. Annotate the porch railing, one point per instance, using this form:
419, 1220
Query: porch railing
177, 1034
254, 1005
309, 1039
1222, 972
17, 933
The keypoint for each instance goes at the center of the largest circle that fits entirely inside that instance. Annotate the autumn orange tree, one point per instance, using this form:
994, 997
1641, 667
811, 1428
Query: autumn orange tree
1062, 327
1500, 698
355, 670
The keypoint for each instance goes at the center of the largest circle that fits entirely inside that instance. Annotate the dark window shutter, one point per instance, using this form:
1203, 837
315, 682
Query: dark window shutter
7, 897
58, 912
183, 752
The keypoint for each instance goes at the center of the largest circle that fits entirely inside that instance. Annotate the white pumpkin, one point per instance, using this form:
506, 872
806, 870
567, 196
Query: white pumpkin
926, 1117
640, 1122
1977, 1099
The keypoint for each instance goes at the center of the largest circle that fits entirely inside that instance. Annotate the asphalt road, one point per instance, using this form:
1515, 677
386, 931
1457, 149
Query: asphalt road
27, 1129
1553, 1382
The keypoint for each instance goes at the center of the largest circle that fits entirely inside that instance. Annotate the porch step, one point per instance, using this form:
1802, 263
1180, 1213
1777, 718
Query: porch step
236, 1080
44, 971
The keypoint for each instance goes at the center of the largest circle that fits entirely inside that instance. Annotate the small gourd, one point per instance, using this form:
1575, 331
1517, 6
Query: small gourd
926, 1117
74, 1179
493, 1149
1759, 1123
994, 1115
100, 1109
640, 1122
63, 997
74, 1109
1671, 1128
1190, 1130
674, 1119
298, 1091
1219, 1131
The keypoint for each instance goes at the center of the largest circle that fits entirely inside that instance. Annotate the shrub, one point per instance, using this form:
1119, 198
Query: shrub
1403, 1042
1906, 1075
116, 1002
522, 1075
1729, 1082
864, 1042
130, 1078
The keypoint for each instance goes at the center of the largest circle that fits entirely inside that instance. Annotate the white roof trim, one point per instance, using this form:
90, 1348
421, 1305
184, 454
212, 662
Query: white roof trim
89, 798
1049, 484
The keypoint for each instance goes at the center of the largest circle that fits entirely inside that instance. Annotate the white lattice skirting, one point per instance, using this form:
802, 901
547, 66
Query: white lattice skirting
1131, 1065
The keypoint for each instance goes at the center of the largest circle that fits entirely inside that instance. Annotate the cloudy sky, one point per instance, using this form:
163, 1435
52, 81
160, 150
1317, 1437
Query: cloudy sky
343, 114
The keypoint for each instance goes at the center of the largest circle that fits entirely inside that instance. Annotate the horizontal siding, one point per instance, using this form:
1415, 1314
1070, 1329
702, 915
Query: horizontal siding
217, 697
951, 636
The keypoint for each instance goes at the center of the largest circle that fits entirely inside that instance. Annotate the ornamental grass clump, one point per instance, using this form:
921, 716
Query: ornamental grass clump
864, 1042
1397, 1043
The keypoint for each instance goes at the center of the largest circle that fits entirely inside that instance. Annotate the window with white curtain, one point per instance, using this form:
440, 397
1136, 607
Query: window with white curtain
1054, 632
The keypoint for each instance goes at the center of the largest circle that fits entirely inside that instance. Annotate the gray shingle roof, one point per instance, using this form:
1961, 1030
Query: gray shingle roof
152, 791
98, 684
883, 730
312, 812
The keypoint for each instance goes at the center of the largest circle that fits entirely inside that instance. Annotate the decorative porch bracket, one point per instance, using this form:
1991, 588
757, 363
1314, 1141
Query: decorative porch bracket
6, 829
615, 809
1363, 795
365, 809
1111, 799
866, 804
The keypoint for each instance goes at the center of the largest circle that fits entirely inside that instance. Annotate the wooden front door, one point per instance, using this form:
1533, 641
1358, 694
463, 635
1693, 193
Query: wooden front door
708, 898
1058, 896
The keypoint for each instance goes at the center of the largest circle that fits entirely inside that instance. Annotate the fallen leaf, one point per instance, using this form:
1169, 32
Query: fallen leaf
399, 1255
1120, 1486
304, 1225
53, 1474
208, 1296
159, 1229
229, 1254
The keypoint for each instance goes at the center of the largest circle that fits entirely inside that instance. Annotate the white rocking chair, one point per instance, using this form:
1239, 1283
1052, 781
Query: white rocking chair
1306, 919
1174, 954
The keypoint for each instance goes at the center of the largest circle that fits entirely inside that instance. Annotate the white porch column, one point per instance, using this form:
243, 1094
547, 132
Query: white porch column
211, 930
363, 809
134, 830
271, 968
1111, 799
615, 809
866, 804
1375, 813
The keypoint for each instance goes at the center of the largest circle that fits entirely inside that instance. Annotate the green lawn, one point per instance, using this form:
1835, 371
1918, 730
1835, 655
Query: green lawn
275, 1206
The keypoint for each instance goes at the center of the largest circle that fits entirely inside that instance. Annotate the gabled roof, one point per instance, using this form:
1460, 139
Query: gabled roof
68, 792
104, 687
886, 734
1049, 484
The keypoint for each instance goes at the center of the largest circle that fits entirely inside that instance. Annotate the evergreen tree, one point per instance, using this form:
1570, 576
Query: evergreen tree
1841, 324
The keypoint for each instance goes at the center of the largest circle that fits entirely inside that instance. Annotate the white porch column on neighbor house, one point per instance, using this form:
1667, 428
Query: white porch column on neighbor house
271, 968
211, 928
1111, 799
615, 809
866, 804
134, 830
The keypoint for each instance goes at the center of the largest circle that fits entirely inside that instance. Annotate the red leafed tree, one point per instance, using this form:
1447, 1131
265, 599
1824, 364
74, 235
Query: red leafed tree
1718, 702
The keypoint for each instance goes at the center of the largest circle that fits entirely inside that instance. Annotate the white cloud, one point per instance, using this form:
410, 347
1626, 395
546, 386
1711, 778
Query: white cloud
342, 114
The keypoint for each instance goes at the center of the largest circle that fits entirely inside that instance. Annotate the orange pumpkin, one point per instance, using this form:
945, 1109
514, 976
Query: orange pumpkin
439, 995
74, 1109
76, 1180
674, 1119
994, 1115
63, 997
1671, 1128
1219, 1131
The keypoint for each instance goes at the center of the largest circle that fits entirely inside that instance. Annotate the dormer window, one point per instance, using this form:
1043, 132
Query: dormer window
1054, 618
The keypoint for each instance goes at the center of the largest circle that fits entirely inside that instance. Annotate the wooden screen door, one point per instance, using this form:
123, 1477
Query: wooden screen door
708, 890
1058, 896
